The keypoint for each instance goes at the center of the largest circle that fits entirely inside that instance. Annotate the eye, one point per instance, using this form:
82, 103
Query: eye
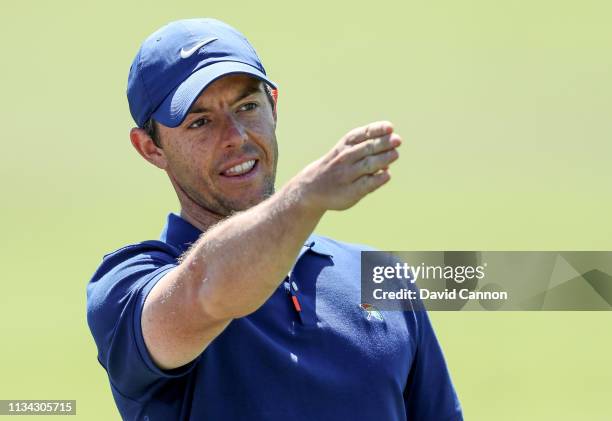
198, 123
248, 106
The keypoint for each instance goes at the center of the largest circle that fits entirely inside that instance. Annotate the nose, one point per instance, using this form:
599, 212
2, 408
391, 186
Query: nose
233, 132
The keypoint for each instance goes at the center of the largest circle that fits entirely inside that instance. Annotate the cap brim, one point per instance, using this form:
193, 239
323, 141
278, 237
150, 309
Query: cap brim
173, 110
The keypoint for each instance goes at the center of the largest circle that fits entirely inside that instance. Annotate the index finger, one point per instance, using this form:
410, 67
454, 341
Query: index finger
372, 147
369, 131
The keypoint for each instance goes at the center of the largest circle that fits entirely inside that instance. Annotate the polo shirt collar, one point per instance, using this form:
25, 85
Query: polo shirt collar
181, 234
318, 245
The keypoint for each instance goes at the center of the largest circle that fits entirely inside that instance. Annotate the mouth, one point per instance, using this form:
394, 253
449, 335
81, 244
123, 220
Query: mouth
241, 171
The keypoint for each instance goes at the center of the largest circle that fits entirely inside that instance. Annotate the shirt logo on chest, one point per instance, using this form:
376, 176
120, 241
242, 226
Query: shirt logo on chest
371, 312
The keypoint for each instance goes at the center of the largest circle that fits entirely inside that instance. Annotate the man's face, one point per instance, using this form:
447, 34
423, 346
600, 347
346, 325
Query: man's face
224, 155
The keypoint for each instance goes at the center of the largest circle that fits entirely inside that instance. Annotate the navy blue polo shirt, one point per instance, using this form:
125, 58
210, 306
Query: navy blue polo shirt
332, 361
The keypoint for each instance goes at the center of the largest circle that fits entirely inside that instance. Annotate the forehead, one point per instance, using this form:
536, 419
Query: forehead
230, 88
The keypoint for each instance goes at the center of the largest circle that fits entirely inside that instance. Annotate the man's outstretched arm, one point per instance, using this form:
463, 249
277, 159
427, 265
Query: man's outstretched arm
237, 265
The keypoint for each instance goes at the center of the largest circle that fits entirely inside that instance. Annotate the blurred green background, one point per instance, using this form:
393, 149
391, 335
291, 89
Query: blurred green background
505, 110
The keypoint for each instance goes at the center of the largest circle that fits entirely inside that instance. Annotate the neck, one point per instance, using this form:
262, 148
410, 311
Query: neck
199, 217
192, 212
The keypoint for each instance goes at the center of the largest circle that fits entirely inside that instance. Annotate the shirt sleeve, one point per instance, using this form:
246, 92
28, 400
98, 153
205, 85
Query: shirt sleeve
429, 392
115, 299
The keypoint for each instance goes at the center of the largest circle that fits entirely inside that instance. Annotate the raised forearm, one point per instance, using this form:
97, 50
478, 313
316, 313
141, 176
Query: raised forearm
242, 260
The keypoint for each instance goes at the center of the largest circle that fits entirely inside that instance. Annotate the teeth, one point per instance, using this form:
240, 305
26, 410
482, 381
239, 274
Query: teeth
241, 168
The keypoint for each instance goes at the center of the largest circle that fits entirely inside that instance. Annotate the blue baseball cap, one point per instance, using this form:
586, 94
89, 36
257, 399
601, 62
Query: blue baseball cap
178, 61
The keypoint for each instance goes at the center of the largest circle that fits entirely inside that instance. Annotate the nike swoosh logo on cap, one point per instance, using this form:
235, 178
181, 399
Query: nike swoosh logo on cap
189, 53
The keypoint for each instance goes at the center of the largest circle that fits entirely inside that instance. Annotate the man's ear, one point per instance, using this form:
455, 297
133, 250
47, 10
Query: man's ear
274, 93
145, 146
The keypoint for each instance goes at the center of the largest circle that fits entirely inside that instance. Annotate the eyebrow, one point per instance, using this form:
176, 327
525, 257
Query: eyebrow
250, 90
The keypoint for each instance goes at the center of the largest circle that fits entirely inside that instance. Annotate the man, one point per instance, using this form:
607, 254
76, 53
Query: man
239, 312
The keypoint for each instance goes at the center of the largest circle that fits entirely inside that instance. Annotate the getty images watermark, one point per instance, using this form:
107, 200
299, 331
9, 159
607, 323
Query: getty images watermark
480, 280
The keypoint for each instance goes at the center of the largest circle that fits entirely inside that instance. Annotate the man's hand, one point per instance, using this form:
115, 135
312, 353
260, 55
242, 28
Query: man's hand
355, 166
